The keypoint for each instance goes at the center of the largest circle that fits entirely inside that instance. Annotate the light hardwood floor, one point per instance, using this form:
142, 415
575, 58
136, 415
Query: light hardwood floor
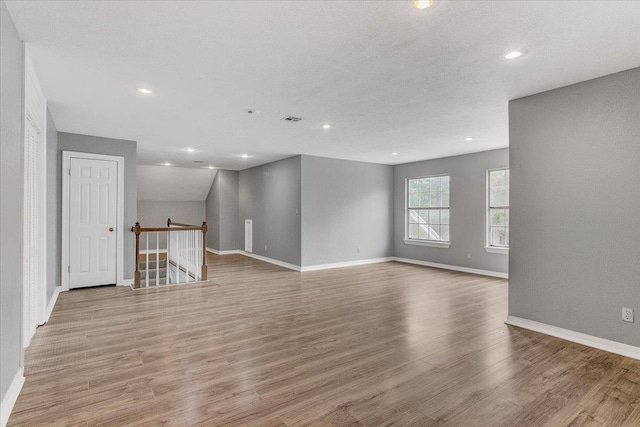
264, 346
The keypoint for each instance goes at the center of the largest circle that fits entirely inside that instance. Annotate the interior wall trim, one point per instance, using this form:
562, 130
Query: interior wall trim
577, 337
489, 273
10, 398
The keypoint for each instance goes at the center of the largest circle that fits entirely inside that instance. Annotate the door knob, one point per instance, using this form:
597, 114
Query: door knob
110, 229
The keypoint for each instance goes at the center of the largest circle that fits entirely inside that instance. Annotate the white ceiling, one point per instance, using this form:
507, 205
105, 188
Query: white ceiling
386, 76
171, 184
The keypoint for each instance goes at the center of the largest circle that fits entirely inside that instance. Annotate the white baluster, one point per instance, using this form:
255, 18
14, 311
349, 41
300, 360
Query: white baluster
147, 258
178, 256
157, 258
188, 245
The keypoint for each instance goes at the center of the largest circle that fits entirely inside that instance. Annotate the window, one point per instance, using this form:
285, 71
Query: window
428, 209
498, 221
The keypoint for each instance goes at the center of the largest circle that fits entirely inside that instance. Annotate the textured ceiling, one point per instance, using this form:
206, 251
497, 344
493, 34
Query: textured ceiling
386, 76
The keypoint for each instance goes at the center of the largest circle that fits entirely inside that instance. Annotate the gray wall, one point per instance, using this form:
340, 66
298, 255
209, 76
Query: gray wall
155, 214
222, 212
113, 147
468, 204
212, 212
575, 206
346, 206
270, 195
11, 83
54, 222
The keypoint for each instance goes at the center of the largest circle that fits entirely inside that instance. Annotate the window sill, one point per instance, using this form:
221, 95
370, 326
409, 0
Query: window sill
496, 250
427, 243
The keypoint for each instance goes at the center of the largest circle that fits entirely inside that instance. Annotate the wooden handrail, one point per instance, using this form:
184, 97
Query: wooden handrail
137, 229
152, 229
179, 224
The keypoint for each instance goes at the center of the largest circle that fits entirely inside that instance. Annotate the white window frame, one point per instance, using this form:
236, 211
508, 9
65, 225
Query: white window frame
424, 242
504, 250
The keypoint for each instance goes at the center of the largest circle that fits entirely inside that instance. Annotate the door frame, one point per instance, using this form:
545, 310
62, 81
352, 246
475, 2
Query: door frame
66, 165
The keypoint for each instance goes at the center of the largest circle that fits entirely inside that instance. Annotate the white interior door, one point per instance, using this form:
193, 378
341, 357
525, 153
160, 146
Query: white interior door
93, 208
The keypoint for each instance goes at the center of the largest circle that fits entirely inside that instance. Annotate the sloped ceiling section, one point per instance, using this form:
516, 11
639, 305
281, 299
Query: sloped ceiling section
171, 184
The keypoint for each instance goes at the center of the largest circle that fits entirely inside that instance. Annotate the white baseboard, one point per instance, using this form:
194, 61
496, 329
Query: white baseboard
52, 303
230, 252
127, 282
345, 264
11, 397
577, 337
453, 267
362, 262
271, 261
152, 251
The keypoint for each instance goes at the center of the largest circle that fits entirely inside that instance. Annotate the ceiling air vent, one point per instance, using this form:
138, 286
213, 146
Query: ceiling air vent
291, 119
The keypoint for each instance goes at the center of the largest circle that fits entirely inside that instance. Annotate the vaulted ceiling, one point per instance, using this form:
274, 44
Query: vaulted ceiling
386, 77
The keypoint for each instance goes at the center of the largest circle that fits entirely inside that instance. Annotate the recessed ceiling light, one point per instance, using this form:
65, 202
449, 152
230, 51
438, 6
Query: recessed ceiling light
211, 167
513, 55
189, 150
394, 154
244, 156
326, 126
422, 4
145, 91
167, 164
468, 139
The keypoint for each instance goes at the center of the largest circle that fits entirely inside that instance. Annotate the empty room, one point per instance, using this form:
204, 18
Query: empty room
323, 213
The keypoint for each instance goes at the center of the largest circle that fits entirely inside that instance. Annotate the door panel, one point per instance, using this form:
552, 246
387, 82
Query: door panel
92, 222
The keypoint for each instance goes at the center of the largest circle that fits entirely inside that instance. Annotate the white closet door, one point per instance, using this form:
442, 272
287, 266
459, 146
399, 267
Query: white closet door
31, 231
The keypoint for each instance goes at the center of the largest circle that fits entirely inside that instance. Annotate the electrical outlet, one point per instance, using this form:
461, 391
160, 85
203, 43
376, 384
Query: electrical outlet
627, 314
469, 256
265, 248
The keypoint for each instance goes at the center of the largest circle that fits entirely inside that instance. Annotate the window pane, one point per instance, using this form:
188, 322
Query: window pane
424, 217
434, 232
506, 233
507, 179
434, 216
445, 199
498, 217
414, 200
424, 185
498, 197
497, 179
424, 233
444, 183
444, 233
499, 236
413, 216
412, 185
413, 231
435, 183
424, 200
444, 216
435, 199
506, 214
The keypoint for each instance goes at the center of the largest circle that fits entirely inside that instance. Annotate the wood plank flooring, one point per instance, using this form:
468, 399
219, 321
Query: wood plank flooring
384, 344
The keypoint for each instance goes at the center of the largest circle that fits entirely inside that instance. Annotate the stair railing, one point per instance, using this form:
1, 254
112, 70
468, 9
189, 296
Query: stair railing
183, 247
